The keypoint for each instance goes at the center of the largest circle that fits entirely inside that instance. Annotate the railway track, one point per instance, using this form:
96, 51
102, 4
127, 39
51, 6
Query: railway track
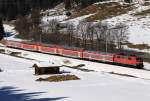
138, 73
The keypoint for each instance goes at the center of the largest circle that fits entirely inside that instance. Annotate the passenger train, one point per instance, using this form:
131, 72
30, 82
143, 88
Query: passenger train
121, 59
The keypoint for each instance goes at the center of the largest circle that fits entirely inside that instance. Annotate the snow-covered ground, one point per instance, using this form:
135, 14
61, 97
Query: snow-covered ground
11, 32
17, 81
139, 28
40, 58
60, 18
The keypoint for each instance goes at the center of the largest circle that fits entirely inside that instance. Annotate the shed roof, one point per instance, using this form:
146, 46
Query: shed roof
47, 64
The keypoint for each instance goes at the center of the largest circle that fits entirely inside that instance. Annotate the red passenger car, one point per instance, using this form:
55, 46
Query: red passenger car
70, 53
98, 56
47, 49
14, 44
29, 46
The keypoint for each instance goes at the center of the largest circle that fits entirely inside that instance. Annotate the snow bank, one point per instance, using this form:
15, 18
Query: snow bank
60, 18
139, 28
17, 82
11, 33
47, 64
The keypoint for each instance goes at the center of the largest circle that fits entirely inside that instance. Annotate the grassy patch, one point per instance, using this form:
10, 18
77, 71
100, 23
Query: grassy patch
103, 11
59, 78
147, 3
15, 53
2, 51
2, 41
138, 46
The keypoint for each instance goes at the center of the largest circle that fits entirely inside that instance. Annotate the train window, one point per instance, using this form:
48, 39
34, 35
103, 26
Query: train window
132, 55
129, 58
118, 56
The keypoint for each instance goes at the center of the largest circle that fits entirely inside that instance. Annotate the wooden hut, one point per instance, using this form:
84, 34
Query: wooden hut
46, 68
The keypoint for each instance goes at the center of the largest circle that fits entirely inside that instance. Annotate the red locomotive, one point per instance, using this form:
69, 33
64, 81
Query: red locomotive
78, 53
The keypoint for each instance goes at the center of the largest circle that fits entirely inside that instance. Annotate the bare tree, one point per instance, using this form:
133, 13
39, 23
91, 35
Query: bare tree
83, 31
23, 25
111, 40
1, 30
35, 21
70, 32
52, 27
121, 34
80, 32
90, 34
67, 4
51, 30
100, 31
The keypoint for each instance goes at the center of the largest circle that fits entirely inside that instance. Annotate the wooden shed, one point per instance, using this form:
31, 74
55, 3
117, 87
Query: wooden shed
46, 68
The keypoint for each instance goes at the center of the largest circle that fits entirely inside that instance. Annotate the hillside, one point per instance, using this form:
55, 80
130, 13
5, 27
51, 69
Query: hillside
136, 16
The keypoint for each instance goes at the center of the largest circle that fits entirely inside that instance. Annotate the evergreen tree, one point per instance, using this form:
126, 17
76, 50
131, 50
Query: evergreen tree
67, 4
84, 3
1, 30
10, 9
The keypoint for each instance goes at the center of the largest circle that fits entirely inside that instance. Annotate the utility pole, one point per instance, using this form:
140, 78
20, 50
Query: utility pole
40, 38
106, 41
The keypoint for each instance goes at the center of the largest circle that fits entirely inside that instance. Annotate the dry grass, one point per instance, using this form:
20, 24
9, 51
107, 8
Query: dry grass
147, 3
138, 46
127, 75
2, 51
103, 11
15, 53
66, 61
146, 60
59, 78
2, 41
143, 13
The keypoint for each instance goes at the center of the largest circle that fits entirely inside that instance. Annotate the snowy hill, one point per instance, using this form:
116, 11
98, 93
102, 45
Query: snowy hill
136, 16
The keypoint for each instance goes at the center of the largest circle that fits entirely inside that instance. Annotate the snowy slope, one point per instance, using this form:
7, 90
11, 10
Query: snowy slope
17, 83
11, 32
139, 26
